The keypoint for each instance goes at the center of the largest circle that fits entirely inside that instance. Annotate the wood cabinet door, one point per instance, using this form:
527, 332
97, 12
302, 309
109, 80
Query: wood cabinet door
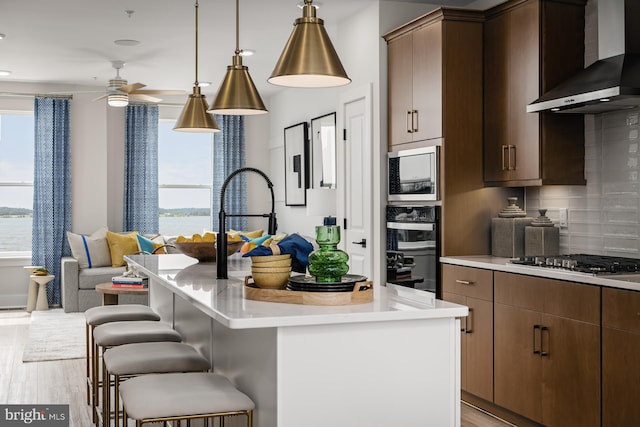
571, 373
496, 98
524, 87
400, 70
517, 369
620, 378
427, 82
479, 348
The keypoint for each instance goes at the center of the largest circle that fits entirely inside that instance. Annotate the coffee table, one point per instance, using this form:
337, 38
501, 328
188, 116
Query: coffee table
110, 294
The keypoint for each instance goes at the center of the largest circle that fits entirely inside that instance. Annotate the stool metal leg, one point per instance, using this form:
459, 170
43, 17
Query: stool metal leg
87, 328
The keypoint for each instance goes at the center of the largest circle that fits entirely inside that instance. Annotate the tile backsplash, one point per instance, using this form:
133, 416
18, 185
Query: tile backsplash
603, 215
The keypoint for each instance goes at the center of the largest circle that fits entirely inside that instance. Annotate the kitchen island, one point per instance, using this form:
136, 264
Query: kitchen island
393, 361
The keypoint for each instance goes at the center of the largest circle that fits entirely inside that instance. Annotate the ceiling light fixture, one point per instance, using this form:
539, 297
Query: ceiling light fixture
309, 58
237, 94
117, 98
194, 116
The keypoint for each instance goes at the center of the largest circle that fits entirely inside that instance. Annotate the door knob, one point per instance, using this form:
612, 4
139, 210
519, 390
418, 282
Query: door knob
362, 243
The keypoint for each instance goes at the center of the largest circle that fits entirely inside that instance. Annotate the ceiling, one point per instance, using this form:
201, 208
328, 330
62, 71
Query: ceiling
72, 41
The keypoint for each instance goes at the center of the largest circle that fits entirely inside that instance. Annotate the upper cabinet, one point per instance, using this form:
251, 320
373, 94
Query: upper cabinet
415, 85
529, 47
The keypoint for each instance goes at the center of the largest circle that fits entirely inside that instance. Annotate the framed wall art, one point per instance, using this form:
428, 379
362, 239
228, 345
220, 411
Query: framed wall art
296, 174
323, 151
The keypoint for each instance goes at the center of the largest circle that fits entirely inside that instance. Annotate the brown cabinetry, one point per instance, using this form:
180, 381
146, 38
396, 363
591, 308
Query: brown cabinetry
530, 46
473, 287
620, 353
547, 349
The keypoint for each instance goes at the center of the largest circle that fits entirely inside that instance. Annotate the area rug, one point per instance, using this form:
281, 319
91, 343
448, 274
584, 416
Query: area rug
55, 335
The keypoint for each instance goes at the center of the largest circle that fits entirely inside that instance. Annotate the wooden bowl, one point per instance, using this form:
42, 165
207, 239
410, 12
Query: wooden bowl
205, 251
271, 280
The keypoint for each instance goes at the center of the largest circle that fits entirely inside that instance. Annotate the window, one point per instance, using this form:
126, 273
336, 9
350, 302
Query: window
185, 180
16, 181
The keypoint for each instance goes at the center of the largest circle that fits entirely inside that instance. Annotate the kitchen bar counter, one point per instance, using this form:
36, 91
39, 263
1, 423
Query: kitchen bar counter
620, 281
392, 361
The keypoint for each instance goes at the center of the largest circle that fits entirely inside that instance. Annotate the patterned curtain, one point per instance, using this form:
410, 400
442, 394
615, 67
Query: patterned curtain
51, 189
229, 155
141, 169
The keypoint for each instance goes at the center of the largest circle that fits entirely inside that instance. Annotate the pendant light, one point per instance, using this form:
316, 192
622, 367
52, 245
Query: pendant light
194, 116
237, 94
309, 59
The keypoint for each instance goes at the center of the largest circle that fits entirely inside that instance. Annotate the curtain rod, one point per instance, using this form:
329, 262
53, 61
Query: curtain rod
34, 95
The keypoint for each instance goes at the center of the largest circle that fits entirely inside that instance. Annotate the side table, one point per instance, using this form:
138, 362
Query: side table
33, 288
41, 302
110, 294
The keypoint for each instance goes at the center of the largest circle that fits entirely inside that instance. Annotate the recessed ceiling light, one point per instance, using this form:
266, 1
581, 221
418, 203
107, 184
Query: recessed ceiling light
127, 42
247, 52
4, 73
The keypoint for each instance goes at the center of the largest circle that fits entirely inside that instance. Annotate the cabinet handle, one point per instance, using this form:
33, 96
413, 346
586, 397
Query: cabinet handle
512, 167
469, 321
542, 333
464, 326
504, 148
464, 282
536, 328
409, 121
414, 122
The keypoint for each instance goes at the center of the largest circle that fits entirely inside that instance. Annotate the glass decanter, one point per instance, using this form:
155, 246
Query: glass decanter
328, 263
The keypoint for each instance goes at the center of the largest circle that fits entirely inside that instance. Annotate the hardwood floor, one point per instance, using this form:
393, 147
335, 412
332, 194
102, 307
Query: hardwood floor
63, 382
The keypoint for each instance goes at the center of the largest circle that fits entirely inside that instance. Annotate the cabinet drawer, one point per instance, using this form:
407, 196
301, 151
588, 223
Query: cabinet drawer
621, 309
473, 282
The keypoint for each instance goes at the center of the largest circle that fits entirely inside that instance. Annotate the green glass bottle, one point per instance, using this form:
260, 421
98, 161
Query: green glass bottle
328, 263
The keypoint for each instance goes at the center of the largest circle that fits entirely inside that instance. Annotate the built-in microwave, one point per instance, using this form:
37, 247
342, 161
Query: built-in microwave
412, 175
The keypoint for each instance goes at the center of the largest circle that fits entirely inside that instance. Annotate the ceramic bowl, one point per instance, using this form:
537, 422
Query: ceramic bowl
269, 258
285, 262
256, 269
205, 251
271, 280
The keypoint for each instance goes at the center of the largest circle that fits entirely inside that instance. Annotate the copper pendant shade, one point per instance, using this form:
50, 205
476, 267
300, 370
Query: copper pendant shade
309, 58
237, 94
194, 116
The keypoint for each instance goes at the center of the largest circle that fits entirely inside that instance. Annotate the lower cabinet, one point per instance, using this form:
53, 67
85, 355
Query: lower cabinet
547, 349
620, 357
473, 287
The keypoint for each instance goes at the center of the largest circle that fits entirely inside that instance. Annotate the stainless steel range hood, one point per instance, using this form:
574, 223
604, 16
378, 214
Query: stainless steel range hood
612, 82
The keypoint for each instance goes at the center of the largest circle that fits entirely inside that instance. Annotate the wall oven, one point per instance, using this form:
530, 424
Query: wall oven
412, 175
413, 247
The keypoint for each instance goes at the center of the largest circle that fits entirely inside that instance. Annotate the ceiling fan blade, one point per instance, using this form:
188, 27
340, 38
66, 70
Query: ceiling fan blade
146, 98
158, 92
130, 88
100, 97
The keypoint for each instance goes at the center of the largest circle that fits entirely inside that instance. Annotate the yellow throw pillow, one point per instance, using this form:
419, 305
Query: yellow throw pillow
121, 245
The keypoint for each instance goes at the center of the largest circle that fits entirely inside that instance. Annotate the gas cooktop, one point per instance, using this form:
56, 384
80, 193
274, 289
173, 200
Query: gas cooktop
583, 263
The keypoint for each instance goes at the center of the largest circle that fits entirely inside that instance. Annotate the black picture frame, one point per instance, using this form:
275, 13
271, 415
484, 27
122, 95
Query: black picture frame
296, 164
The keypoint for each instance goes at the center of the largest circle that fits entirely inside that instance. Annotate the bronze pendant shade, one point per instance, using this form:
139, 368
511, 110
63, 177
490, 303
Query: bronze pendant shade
237, 94
309, 58
194, 116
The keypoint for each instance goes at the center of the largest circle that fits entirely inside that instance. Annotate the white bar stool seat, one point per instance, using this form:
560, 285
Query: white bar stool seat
193, 395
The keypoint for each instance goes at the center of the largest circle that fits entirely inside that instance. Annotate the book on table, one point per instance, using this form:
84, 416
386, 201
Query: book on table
128, 282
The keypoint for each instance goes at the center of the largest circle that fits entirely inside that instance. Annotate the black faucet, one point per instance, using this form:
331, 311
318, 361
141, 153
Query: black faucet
221, 242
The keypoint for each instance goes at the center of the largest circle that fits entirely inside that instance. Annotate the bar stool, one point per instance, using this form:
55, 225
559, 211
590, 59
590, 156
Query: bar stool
113, 334
184, 396
97, 316
130, 360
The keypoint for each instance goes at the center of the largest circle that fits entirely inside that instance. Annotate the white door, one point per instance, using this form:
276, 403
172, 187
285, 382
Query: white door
356, 196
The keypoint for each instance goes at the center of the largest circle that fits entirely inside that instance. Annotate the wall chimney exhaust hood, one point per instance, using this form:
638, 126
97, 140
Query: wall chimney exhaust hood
612, 82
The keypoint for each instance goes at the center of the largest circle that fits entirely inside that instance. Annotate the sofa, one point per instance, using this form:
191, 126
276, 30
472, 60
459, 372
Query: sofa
78, 286
96, 259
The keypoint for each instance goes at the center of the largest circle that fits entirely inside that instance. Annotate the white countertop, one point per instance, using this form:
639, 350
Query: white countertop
223, 299
621, 281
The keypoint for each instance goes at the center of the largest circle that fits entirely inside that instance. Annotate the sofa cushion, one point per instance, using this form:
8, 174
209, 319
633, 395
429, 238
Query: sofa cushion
90, 251
88, 278
121, 245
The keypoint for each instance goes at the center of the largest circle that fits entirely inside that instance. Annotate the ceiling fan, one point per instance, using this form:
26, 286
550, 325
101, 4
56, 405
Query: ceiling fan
119, 92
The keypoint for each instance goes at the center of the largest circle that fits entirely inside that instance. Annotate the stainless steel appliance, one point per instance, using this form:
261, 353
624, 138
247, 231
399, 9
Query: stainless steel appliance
412, 175
592, 265
413, 247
